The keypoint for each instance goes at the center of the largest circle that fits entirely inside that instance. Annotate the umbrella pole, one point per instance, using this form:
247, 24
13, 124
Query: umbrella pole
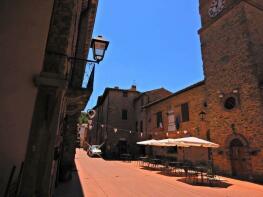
212, 160
183, 155
210, 157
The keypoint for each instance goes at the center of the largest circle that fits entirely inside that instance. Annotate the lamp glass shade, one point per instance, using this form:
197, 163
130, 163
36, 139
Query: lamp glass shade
99, 46
202, 115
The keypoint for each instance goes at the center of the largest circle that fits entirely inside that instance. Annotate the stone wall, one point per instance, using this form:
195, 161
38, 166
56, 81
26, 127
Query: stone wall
24, 32
115, 102
231, 65
145, 99
109, 112
195, 97
53, 101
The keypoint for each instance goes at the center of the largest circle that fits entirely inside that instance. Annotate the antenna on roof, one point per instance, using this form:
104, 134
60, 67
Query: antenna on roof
134, 82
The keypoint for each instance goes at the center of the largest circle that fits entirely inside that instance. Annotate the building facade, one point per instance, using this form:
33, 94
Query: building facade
37, 40
116, 121
231, 42
230, 97
83, 135
227, 107
177, 116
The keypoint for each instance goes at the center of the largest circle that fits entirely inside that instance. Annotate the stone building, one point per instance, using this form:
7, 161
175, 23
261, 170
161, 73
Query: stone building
144, 99
176, 116
83, 135
40, 41
232, 46
230, 98
116, 124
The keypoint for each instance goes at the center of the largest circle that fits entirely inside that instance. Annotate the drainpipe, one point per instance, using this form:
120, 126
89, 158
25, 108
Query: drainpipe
108, 103
97, 127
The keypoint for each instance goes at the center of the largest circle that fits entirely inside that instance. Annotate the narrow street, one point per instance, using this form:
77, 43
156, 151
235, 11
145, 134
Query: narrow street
116, 178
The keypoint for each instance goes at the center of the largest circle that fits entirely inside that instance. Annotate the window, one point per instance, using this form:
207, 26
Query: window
124, 114
142, 101
141, 126
230, 103
185, 112
177, 122
125, 93
136, 126
171, 121
159, 120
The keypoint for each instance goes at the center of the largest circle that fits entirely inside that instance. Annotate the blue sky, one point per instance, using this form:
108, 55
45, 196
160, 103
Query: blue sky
152, 44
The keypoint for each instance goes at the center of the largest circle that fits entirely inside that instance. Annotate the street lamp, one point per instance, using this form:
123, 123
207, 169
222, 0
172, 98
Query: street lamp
99, 45
202, 115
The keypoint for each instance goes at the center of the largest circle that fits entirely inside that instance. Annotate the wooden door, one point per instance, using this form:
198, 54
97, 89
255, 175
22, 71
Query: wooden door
238, 159
122, 145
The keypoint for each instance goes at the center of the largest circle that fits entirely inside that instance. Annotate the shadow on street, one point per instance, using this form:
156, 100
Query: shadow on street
70, 188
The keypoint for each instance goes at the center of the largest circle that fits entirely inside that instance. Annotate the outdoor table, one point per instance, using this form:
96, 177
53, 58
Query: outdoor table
155, 162
174, 165
186, 167
201, 170
143, 159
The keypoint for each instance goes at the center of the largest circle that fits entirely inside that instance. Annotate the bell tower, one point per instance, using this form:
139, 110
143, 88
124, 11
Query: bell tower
232, 53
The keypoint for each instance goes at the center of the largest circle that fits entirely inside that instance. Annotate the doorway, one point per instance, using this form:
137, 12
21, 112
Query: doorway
239, 159
122, 147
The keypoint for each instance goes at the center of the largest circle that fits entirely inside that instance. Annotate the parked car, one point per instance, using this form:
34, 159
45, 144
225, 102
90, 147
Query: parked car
94, 150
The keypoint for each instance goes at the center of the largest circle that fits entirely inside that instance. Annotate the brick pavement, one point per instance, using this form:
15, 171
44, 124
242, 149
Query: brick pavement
101, 178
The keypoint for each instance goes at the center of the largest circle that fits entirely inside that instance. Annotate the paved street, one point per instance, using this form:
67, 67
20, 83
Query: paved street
115, 178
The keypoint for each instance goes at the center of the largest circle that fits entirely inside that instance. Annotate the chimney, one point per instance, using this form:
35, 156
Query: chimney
116, 87
133, 88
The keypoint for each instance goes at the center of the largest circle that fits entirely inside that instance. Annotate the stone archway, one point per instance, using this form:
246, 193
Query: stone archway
239, 156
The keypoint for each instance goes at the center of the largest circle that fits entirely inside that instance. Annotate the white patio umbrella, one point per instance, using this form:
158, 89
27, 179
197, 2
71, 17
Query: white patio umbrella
194, 141
171, 142
147, 142
155, 143
181, 142
189, 142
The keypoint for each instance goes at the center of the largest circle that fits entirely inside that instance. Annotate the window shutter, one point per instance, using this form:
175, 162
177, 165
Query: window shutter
159, 119
171, 121
185, 112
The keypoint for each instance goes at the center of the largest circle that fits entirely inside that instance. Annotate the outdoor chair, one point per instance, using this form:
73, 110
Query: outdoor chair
153, 162
176, 167
192, 176
150, 162
165, 164
140, 161
158, 163
212, 178
145, 161
179, 168
186, 166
